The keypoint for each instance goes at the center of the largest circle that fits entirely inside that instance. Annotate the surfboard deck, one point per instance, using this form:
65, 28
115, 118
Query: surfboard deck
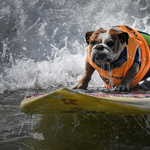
69, 101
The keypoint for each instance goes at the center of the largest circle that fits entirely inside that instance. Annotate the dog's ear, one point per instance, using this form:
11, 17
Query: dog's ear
123, 37
88, 35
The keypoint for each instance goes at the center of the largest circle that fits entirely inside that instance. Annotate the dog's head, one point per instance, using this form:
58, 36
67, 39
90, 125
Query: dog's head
106, 44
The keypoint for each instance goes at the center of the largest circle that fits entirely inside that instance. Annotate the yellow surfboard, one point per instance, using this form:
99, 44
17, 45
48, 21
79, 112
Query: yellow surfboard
69, 101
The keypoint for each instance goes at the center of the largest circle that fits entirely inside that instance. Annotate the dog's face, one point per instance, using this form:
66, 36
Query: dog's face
106, 44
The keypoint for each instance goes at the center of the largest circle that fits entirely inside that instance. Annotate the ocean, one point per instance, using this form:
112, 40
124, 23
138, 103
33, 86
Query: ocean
42, 49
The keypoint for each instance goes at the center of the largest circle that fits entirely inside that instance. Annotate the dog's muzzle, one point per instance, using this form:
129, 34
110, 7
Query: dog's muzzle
100, 54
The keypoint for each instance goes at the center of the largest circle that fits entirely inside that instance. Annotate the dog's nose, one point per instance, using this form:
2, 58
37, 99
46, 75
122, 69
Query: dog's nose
99, 47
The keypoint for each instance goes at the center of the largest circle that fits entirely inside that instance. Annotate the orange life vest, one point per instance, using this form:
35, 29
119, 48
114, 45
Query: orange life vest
117, 74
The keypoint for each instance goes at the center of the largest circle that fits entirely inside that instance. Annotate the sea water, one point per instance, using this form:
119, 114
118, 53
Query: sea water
43, 48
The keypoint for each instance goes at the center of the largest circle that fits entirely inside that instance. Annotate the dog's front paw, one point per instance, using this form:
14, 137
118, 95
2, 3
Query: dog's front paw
121, 88
80, 85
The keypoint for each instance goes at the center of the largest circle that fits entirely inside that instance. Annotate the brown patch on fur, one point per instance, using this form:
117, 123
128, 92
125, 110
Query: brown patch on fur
116, 47
88, 35
94, 36
113, 31
114, 35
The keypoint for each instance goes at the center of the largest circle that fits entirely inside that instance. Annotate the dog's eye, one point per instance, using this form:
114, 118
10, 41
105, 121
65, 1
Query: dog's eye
93, 43
110, 43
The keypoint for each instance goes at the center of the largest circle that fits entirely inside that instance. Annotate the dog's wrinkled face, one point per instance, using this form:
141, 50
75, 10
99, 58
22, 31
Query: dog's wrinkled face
106, 44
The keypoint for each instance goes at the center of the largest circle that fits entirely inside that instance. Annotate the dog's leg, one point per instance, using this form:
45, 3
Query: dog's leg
129, 77
83, 83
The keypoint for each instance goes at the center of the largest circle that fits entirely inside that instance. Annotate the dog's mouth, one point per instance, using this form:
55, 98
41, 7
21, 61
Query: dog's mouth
98, 62
100, 58
105, 61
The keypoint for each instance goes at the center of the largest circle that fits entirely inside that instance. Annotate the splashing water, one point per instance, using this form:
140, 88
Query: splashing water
110, 78
42, 42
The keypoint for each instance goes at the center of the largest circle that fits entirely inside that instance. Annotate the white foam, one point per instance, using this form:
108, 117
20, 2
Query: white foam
64, 70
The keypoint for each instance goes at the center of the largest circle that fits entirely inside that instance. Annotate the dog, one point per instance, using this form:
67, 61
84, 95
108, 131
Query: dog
121, 56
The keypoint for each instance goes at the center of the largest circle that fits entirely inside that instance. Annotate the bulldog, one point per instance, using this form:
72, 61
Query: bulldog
120, 54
